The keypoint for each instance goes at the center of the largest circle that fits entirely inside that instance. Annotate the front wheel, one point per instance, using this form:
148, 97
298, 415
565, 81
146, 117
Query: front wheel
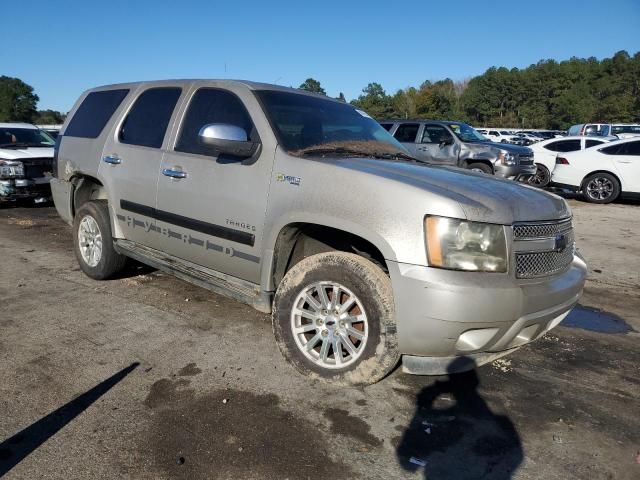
601, 188
542, 176
333, 319
480, 168
93, 242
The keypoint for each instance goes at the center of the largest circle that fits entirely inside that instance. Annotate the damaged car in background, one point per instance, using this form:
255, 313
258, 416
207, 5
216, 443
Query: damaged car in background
26, 163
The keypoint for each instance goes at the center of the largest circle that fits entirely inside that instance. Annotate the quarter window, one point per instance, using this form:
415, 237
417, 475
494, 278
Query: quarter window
611, 150
146, 123
386, 126
631, 148
94, 113
407, 132
212, 105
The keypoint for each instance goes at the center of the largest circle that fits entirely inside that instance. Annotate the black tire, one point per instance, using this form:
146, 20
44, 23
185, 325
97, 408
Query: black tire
542, 177
482, 167
371, 287
110, 262
600, 187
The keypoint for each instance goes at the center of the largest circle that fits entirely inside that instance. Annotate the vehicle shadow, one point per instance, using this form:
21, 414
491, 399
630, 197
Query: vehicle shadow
455, 435
16, 448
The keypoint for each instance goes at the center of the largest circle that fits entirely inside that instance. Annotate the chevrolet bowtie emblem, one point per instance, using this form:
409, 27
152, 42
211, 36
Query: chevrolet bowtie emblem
560, 242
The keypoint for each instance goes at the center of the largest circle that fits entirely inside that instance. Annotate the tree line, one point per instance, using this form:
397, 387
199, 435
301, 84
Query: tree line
548, 94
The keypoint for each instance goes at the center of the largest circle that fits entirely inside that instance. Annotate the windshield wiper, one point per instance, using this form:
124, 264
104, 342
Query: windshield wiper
16, 145
398, 156
336, 150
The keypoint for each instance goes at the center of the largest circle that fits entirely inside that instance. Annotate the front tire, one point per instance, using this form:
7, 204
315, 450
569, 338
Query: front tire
480, 168
93, 241
333, 319
600, 188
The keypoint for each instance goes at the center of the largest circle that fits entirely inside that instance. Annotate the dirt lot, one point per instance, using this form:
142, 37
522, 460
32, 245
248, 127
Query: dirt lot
149, 377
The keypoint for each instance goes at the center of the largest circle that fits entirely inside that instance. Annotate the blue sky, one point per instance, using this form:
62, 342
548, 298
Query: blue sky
62, 48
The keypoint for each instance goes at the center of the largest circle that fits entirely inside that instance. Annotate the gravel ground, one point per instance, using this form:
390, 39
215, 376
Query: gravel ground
147, 376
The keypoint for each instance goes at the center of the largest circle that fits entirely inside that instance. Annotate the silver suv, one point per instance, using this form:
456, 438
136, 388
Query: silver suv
305, 207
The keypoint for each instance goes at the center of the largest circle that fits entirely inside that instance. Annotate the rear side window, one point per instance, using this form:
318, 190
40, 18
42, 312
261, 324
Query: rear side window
149, 117
386, 126
612, 150
592, 143
407, 132
94, 113
564, 146
211, 105
632, 148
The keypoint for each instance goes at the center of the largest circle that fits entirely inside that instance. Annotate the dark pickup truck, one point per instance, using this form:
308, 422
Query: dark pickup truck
459, 145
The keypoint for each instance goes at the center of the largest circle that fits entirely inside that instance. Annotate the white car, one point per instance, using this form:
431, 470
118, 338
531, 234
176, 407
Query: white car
625, 130
26, 162
603, 173
499, 136
545, 153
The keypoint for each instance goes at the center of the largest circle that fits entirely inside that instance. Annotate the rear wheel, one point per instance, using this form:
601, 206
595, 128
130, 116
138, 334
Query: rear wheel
333, 318
93, 242
601, 188
542, 176
480, 168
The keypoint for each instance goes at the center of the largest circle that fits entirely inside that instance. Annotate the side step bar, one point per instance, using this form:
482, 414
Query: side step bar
238, 289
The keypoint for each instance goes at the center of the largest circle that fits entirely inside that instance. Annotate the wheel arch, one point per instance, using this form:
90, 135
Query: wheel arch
298, 240
609, 172
85, 189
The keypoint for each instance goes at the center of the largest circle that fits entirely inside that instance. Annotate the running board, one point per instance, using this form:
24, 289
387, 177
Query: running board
241, 290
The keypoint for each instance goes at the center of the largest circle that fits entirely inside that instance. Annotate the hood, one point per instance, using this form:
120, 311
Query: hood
481, 197
25, 153
492, 146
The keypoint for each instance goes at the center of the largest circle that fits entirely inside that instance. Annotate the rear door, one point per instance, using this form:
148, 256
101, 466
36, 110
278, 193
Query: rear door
406, 134
214, 214
438, 145
627, 162
131, 161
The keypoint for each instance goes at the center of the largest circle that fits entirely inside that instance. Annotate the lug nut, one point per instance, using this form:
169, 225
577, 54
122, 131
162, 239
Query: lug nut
325, 333
320, 321
324, 312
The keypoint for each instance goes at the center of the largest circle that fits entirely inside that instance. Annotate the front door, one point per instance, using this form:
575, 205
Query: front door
212, 206
131, 162
438, 145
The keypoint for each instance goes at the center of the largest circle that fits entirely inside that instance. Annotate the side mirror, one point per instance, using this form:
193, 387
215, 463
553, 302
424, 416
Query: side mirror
227, 139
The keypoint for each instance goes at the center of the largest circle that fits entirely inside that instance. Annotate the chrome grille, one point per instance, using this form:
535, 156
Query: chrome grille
523, 231
533, 264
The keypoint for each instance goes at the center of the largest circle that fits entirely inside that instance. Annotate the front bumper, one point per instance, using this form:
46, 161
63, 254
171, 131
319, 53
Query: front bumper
515, 172
447, 314
22, 188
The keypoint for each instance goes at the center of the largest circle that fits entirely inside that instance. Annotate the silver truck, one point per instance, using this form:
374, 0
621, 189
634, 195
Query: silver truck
457, 144
307, 208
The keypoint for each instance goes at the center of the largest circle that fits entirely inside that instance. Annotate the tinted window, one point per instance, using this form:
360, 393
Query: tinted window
211, 105
387, 126
407, 132
493, 132
147, 121
631, 148
435, 134
94, 113
564, 146
592, 143
612, 150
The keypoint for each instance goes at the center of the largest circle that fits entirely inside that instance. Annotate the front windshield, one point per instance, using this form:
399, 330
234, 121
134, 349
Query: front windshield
466, 133
306, 124
24, 137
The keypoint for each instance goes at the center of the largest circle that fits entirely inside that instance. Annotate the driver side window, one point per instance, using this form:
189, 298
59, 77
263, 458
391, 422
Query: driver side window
212, 105
435, 134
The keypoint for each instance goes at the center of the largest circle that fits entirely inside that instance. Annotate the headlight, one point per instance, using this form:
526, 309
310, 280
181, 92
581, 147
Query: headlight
11, 169
507, 158
460, 245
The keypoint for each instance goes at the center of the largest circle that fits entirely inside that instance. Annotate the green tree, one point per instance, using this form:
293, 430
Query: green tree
312, 85
375, 101
49, 117
17, 100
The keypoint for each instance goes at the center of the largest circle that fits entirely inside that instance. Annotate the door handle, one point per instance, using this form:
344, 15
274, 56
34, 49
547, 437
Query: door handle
624, 161
112, 159
173, 173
